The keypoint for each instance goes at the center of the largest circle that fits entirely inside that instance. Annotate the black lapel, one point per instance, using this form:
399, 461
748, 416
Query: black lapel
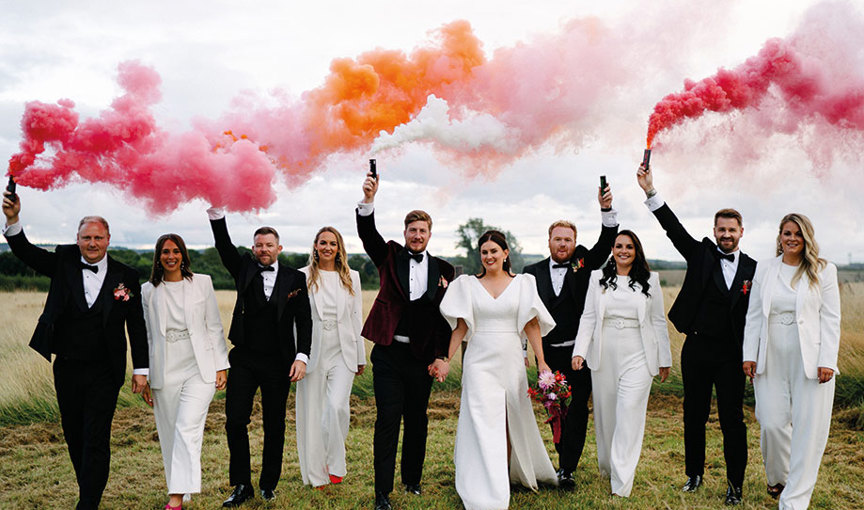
281, 288
402, 270
251, 272
434, 275
76, 282
544, 282
740, 272
112, 279
718, 277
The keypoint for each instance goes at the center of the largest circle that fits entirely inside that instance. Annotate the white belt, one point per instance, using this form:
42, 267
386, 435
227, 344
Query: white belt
328, 324
176, 335
620, 323
785, 318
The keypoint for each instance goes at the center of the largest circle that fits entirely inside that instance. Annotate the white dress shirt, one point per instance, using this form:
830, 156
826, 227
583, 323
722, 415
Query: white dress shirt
557, 274
93, 281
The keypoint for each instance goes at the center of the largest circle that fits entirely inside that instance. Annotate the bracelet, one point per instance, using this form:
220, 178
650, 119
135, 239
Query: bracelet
650, 193
605, 209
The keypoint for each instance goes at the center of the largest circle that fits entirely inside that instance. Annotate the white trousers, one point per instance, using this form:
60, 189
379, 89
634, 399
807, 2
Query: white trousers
180, 408
323, 415
792, 410
621, 387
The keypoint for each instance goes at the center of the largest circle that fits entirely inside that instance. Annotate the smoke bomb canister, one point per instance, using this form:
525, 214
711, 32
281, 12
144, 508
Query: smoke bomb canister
373, 168
646, 158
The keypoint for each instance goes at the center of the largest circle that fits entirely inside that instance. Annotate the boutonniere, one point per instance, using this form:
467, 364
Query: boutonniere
442, 282
579, 264
292, 294
122, 293
745, 287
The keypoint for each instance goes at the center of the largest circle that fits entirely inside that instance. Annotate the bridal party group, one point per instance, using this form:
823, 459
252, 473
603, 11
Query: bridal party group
595, 315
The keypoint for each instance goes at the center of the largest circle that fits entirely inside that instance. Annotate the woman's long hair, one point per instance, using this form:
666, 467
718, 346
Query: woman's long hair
341, 262
157, 273
811, 263
498, 238
639, 271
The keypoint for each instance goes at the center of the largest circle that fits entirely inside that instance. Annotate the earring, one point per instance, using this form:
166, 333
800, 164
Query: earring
315, 254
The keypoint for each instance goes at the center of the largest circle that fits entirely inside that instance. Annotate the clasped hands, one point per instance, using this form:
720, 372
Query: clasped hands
439, 369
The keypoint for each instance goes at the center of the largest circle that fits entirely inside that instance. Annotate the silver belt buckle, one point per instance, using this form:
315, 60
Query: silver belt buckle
328, 324
173, 335
618, 323
787, 318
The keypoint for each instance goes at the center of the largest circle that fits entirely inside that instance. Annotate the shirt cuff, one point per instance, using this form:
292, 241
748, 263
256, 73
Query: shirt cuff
364, 209
141, 371
655, 202
610, 218
216, 213
13, 229
302, 357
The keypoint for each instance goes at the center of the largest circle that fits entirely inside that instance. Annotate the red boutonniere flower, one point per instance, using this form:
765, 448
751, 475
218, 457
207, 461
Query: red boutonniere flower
579, 264
745, 287
442, 282
292, 294
122, 293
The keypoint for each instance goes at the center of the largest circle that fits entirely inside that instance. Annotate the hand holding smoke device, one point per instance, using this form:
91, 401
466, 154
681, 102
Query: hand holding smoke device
10, 187
646, 158
372, 169
603, 183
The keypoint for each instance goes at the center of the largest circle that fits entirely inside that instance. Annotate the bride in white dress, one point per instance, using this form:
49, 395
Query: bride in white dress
497, 439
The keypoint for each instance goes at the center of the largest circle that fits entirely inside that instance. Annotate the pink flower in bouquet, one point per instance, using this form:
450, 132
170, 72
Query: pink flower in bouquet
552, 396
546, 380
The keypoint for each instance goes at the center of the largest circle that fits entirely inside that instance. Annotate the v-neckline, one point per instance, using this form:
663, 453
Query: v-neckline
494, 298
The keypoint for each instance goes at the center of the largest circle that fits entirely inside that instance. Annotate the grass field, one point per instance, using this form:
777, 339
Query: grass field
35, 471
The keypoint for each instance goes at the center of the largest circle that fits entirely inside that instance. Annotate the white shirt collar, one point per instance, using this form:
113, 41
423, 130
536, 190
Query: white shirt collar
734, 254
102, 265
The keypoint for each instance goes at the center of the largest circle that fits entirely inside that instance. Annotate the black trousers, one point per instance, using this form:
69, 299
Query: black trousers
705, 363
402, 385
87, 396
250, 371
575, 424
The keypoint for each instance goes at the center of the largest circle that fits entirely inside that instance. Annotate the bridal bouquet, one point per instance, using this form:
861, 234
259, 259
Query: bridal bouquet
552, 391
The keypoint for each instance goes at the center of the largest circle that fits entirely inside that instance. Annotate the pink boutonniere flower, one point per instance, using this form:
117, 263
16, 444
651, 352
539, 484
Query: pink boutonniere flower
122, 293
745, 287
442, 282
579, 264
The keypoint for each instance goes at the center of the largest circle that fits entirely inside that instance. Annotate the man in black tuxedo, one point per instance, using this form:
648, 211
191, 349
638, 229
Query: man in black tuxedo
272, 300
91, 299
411, 340
562, 281
710, 309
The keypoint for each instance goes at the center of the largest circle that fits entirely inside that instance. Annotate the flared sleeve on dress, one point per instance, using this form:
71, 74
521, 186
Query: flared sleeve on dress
457, 304
530, 305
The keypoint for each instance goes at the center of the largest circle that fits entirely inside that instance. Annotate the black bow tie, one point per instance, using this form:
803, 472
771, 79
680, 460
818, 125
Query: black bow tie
418, 257
728, 256
95, 269
560, 266
263, 269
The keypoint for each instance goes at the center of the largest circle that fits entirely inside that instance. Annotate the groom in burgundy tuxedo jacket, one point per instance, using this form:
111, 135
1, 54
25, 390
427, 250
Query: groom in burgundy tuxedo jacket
409, 335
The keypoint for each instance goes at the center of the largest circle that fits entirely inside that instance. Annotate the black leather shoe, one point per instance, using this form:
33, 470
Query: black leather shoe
565, 480
692, 484
733, 495
242, 492
413, 489
382, 502
775, 490
268, 494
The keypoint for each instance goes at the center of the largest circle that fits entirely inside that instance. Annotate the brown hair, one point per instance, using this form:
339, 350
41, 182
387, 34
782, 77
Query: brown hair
418, 215
158, 272
263, 231
729, 213
94, 219
562, 223
498, 238
341, 261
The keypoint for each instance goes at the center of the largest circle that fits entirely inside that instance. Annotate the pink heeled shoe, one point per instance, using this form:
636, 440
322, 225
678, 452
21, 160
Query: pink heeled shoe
178, 507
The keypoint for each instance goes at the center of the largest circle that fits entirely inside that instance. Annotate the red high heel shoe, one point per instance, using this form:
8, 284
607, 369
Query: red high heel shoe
335, 479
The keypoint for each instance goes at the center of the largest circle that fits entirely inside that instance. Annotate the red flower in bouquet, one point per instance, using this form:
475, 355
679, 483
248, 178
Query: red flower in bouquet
552, 391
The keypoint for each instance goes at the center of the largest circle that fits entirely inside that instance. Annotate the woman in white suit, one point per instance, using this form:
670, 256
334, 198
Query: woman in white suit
623, 338
323, 396
188, 361
791, 341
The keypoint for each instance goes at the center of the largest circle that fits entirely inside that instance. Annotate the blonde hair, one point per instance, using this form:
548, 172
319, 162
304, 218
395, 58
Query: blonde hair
810, 263
341, 262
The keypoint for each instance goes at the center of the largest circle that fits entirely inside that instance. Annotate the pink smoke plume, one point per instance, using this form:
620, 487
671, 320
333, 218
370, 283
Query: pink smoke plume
813, 78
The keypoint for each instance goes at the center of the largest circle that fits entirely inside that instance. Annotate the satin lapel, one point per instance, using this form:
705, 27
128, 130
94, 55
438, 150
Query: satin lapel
432, 278
738, 280
643, 306
76, 282
768, 286
340, 301
402, 270
316, 294
188, 290
719, 279
801, 290
281, 288
158, 296
544, 282
112, 280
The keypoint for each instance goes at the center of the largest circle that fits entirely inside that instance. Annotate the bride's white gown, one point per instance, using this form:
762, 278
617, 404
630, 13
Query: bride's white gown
495, 398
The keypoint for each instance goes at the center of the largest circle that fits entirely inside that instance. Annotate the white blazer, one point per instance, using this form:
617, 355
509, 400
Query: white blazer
652, 325
202, 321
817, 314
349, 318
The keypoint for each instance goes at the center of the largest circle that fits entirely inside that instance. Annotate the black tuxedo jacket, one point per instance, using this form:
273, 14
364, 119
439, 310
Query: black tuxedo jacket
702, 261
429, 331
290, 293
63, 267
566, 308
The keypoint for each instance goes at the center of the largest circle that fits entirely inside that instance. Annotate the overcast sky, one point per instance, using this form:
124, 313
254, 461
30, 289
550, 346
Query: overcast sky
209, 53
